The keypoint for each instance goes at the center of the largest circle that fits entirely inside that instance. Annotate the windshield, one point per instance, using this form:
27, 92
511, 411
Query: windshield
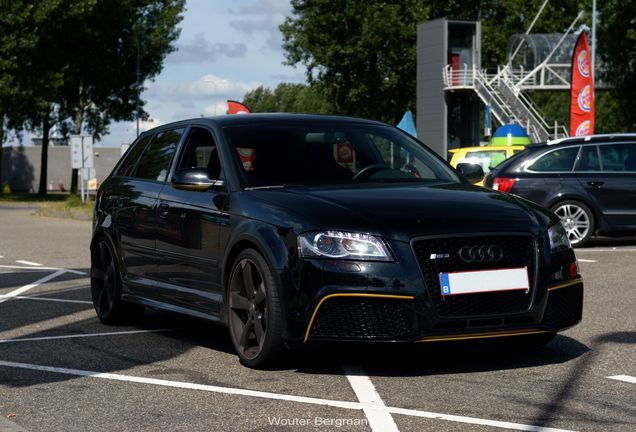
341, 153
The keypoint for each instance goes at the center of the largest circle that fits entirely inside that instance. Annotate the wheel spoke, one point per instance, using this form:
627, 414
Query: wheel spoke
100, 299
237, 301
259, 331
260, 294
97, 273
248, 282
578, 213
246, 333
103, 259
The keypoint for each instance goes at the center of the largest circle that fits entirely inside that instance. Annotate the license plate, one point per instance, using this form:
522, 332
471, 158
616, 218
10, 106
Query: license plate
481, 281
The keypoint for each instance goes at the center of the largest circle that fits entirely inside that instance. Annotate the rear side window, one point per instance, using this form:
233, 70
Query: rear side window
127, 167
618, 157
155, 162
588, 159
556, 161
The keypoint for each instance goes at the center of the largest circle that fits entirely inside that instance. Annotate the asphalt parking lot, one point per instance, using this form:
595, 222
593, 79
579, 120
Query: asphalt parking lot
62, 370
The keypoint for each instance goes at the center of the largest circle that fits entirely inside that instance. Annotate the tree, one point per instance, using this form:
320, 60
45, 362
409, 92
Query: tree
287, 97
617, 49
14, 45
109, 40
80, 72
363, 54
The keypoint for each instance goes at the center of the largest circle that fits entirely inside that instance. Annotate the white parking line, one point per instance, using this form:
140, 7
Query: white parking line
379, 417
626, 378
614, 249
278, 396
73, 336
587, 260
5, 297
30, 263
52, 299
77, 272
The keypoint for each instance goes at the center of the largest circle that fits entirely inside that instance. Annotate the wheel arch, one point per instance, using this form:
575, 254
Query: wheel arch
265, 240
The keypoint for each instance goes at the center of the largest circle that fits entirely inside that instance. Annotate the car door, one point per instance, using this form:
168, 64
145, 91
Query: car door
549, 176
136, 193
612, 182
188, 224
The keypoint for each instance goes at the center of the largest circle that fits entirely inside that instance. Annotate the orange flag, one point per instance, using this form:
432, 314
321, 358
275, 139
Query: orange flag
234, 107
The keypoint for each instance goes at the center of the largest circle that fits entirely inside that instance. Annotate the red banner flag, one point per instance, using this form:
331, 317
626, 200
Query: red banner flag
582, 90
234, 107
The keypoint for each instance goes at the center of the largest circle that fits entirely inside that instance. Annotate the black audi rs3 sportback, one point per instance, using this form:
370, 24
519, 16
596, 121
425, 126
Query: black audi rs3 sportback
291, 229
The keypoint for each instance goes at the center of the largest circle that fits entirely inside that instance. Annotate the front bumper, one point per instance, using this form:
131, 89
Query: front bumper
330, 300
401, 318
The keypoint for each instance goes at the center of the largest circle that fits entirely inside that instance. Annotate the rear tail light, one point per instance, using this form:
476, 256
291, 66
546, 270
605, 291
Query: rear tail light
503, 184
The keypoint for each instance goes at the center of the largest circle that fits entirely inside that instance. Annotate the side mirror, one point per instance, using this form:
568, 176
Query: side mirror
472, 172
194, 179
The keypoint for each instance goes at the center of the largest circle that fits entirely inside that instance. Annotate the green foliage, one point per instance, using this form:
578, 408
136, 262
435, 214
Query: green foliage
287, 97
617, 49
362, 53
67, 57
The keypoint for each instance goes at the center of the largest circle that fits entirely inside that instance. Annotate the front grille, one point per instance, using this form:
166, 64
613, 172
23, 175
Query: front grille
564, 307
518, 251
363, 319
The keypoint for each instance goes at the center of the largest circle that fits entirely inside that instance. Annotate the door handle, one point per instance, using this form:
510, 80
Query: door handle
596, 184
163, 209
119, 202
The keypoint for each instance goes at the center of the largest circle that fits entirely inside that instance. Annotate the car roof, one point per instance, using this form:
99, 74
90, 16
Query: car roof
593, 138
487, 148
272, 118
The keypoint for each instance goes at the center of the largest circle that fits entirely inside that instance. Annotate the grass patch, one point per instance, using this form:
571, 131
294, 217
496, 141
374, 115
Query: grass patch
35, 198
69, 208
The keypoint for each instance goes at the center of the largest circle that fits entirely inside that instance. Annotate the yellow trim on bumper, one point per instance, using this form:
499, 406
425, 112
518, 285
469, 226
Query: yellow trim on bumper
566, 284
389, 296
485, 335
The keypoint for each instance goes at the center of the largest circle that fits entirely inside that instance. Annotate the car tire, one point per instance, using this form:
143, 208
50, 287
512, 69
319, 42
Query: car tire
578, 220
254, 313
106, 288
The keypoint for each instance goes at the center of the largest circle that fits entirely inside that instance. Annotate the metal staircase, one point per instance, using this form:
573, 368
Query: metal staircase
503, 93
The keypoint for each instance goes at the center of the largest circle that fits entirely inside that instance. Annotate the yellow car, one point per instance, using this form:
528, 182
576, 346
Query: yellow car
487, 156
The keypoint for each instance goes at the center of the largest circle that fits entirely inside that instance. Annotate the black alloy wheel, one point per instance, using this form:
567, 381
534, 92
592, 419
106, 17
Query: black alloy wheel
254, 314
106, 288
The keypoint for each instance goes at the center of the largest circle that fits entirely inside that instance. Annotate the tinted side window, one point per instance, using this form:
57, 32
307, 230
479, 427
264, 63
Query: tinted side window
618, 157
588, 159
155, 161
557, 160
201, 152
127, 168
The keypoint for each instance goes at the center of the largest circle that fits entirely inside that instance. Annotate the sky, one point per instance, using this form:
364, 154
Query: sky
225, 49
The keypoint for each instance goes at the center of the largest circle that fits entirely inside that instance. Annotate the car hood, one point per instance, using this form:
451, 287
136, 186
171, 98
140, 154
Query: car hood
398, 211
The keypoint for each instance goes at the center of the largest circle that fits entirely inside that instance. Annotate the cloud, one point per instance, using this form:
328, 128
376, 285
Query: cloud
265, 7
200, 50
145, 125
265, 17
216, 108
211, 86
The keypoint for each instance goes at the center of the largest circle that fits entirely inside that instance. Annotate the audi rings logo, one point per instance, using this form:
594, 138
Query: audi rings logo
480, 253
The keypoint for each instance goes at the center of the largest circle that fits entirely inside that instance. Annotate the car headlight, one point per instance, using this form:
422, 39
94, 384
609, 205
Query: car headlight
343, 245
559, 239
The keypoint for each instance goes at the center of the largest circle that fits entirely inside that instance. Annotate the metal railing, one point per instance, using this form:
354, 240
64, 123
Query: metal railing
508, 102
